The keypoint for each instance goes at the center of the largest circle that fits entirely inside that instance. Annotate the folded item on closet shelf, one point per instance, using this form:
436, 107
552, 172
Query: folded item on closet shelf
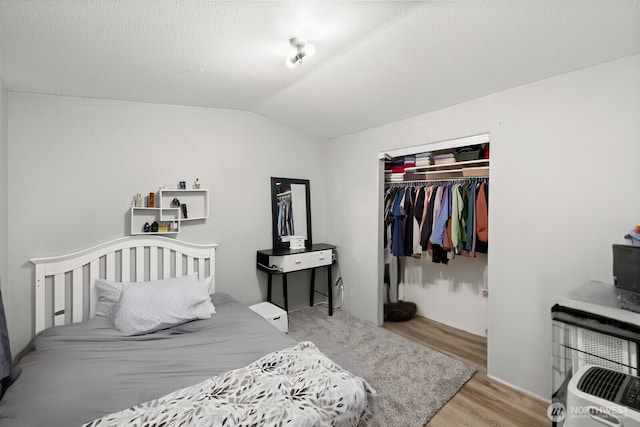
444, 161
415, 176
444, 156
426, 162
422, 155
398, 169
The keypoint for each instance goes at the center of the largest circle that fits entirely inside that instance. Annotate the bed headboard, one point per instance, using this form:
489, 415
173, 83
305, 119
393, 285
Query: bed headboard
65, 285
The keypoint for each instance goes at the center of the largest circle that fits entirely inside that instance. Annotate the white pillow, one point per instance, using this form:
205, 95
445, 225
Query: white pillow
108, 292
150, 306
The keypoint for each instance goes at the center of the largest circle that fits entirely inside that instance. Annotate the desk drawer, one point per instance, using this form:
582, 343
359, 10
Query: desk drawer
301, 261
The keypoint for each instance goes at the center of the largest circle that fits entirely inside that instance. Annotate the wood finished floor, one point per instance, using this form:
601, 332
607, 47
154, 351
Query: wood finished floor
482, 401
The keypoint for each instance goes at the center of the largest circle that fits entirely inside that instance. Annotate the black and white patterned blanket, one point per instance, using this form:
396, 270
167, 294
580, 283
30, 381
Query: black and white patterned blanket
298, 386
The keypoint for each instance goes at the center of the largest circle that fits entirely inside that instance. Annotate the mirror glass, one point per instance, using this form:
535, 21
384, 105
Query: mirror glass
291, 211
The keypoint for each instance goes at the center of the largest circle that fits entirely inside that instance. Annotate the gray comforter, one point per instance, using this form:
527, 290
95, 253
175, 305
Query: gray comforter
297, 386
81, 372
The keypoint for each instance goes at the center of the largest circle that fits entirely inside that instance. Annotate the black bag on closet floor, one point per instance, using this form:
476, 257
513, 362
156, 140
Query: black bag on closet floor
400, 311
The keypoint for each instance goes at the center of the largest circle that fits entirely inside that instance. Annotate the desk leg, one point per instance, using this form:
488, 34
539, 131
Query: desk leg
329, 290
284, 292
269, 282
313, 286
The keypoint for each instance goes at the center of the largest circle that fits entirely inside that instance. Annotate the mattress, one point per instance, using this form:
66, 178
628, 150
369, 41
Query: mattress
80, 372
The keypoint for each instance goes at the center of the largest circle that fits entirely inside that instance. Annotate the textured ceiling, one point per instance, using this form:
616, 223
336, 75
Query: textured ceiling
376, 61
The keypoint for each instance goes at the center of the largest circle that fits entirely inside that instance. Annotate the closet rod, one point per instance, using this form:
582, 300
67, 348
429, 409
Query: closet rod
433, 181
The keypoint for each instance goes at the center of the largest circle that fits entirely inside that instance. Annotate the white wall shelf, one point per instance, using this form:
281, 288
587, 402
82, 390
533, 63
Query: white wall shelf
141, 215
197, 201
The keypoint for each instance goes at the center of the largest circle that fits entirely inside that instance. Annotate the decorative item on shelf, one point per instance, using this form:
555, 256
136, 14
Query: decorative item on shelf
137, 200
184, 211
163, 228
173, 226
175, 203
154, 227
196, 184
151, 200
182, 185
146, 227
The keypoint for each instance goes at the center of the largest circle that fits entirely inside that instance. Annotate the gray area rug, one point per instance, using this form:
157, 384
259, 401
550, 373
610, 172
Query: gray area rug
412, 381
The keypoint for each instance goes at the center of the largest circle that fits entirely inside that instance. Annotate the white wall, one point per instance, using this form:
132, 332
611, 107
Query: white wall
564, 173
3, 192
449, 294
75, 164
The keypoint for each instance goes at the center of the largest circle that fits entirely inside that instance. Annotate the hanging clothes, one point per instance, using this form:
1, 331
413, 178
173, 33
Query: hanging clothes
437, 237
457, 208
418, 213
482, 218
470, 245
388, 220
427, 227
443, 216
408, 221
464, 192
397, 211
443, 220
285, 216
446, 241
437, 205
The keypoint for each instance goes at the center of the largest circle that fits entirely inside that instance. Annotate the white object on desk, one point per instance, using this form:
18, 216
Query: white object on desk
273, 314
296, 242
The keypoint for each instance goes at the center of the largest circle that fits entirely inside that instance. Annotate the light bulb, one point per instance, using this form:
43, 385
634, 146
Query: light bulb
302, 49
291, 62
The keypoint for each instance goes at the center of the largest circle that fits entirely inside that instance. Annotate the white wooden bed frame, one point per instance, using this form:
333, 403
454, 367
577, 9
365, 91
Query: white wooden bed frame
65, 285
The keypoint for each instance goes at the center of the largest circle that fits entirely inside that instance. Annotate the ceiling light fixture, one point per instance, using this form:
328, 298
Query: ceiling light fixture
302, 49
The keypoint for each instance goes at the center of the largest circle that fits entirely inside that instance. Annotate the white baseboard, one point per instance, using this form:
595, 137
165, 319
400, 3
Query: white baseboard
544, 399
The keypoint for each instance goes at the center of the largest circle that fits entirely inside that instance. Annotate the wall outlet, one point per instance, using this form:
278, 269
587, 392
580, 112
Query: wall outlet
352, 293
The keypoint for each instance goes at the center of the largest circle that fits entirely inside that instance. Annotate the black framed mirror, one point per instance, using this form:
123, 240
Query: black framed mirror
290, 211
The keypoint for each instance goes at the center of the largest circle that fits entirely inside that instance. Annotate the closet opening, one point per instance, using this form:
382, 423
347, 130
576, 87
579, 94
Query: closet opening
435, 245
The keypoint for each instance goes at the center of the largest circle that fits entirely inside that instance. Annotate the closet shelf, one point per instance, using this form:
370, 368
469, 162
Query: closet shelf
463, 169
448, 165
